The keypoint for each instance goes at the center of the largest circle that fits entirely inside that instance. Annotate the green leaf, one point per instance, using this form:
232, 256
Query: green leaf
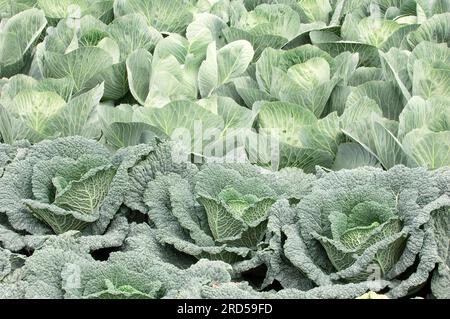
181, 120
87, 194
311, 11
258, 42
70, 8
378, 136
385, 94
60, 220
395, 69
286, 89
164, 16
359, 109
368, 54
222, 66
428, 149
17, 36
80, 65
170, 81
285, 117
139, 69
429, 81
414, 115
234, 115
37, 115
207, 26
287, 122
77, 118
351, 156
30, 115
249, 91
131, 32
436, 29
307, 75
118, 128
223, 225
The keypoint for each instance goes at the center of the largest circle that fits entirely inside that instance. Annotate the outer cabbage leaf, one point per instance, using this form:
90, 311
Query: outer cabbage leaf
56, 10
118, 127
11, 153
223, 65
17, 37
90, 52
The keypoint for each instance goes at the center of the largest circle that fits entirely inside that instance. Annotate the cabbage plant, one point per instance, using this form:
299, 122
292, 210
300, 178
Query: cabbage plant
219, 213
414, 129
384, 227
37, 110
69, 184
63, 268
18, 35
88, 52
297, 84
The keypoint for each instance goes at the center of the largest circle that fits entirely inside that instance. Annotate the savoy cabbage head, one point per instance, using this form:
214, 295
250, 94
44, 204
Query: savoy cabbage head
370, 225
66, 184
220, 212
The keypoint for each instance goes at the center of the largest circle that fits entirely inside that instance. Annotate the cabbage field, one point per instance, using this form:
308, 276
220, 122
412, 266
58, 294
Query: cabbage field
224, 149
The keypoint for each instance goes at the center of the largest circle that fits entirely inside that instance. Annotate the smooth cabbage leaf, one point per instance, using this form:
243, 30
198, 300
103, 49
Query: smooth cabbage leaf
18, 35
56, 10
33, 110
164, 16
90, 52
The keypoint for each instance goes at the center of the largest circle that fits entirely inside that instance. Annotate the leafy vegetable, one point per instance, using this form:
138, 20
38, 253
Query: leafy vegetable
17, 37
66, 184
220, 212
370, 225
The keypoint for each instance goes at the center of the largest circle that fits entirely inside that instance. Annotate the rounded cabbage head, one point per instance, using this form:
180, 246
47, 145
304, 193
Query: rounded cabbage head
65, 184
369, 225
